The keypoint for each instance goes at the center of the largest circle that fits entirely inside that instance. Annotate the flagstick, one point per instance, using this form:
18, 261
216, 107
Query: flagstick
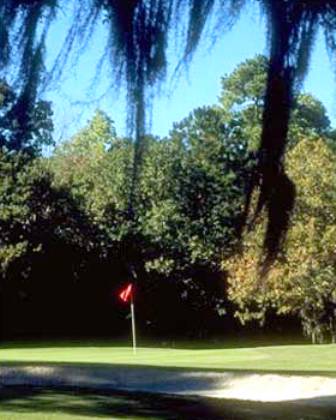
133, 326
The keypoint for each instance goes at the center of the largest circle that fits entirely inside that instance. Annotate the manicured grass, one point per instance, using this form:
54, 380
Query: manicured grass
287, 358
32, 403
20, 403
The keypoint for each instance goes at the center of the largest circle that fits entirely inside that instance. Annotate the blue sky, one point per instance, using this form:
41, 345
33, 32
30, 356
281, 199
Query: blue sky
75, 99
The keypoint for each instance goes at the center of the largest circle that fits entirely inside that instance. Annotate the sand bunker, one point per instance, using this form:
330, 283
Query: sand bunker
233, 385
264, 387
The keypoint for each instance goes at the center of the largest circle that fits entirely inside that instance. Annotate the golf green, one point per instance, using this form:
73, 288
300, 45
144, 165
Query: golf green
285, 358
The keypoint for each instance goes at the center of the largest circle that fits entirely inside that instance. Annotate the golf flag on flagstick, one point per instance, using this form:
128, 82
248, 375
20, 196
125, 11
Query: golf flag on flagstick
126, 294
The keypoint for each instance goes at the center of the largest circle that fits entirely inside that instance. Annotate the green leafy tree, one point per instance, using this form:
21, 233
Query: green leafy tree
194, 174
30, 207
193, 185
46, 245
211, 178
96, 165
189, 202
303, 281
242, 99
31, 137
138, 41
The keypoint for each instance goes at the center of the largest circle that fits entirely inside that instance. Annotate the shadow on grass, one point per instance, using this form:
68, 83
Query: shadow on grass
135, 405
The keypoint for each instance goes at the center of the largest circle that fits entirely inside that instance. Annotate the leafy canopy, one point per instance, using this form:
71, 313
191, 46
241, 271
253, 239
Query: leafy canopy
302, 282
138, 34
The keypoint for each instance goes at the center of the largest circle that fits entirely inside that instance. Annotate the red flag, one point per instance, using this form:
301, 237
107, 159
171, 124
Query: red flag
126, 294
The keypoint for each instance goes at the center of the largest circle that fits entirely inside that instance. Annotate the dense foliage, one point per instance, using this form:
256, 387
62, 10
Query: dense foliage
45, 244
302, 282
67, 234
188, 207
27, 135
138, 32
242, 99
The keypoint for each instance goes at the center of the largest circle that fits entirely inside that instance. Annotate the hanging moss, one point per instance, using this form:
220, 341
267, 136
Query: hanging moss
138, 34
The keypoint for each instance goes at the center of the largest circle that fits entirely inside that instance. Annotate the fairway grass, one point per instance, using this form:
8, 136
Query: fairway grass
53, 403
20, 403
287, 358
17, 415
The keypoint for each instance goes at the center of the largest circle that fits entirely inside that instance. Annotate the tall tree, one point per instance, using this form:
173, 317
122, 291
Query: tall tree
302, 282
139, 31
188, 209
242, 99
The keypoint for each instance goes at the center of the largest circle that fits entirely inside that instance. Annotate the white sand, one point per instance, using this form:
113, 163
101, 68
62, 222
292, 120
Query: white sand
243, 386
265, 387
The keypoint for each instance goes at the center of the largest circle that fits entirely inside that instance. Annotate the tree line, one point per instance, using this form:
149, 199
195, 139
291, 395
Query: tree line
137, 40
69, 241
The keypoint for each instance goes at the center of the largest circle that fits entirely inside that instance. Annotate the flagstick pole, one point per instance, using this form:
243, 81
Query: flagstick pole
133, 326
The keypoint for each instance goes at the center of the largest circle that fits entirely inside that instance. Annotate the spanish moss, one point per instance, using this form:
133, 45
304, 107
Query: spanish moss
138, 32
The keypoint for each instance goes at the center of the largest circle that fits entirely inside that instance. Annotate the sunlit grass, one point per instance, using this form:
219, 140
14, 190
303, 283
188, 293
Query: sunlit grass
305, 358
